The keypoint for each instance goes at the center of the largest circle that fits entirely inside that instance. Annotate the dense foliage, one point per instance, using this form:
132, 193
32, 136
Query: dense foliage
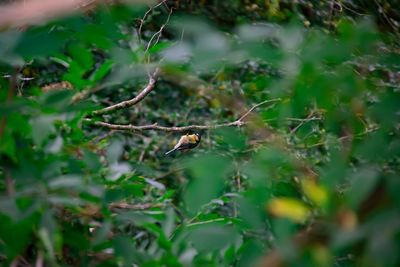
311, 178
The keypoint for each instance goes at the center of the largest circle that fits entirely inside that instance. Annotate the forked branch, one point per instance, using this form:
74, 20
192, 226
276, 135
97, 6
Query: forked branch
128, 103
129, 127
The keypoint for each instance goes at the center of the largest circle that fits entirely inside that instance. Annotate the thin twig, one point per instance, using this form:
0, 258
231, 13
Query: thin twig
159, 32
85, 93
239, 122
144, 17
350, 9
127, 206
143, 152
346, 137
164, 175
206, 222
128, 103
388, 20
256, 106
302, 122
367, 131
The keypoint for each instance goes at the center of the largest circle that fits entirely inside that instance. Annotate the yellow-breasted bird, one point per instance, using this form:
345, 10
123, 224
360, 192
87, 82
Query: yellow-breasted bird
186, 142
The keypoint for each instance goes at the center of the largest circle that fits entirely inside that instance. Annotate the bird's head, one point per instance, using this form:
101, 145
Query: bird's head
198, 136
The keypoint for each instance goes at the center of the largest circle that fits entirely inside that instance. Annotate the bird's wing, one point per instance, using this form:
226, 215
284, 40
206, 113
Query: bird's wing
182, 141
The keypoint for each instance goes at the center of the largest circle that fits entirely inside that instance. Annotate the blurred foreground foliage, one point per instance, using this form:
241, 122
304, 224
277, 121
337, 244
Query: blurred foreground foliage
311, 180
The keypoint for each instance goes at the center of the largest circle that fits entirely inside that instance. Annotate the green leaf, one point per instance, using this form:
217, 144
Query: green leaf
8, 40
162, 240
232, 139
7, 145
102, 71
56, 100
159, 47
39, 42
74, 76
212, 237
16, 234
42, 127
66, 181
123, 248
50, 230
102, 232
114, 151
362, 184
208, 172
81, 54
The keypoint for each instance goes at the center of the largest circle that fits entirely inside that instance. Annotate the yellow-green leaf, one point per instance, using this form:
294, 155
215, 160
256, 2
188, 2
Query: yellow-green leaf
316, 193
288, 208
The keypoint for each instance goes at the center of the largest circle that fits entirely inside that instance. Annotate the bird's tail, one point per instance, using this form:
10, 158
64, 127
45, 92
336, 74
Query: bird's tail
172, 150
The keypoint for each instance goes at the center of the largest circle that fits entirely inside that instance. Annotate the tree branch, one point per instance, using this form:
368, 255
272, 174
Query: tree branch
129, 127
156, 127
256, 106
128, 103
127, 206
144, 18
159, 32
309, 118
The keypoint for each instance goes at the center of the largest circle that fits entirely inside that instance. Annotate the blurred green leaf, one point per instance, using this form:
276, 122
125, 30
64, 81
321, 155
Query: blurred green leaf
212, 237
39, 42
363, 182
208, 172
102, 71
81, 54
124, 249
42, 127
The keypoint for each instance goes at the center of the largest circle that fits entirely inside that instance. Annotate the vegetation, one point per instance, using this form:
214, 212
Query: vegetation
297, 103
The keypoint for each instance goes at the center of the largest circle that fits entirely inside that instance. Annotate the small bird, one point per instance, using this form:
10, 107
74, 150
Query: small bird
186, 142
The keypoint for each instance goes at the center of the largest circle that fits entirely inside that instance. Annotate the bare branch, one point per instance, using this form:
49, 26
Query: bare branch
302, 122
128, 103
156, 127
343, 138
144, 17
126, 206
85, 93
239, 122
159, 32
256, 106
